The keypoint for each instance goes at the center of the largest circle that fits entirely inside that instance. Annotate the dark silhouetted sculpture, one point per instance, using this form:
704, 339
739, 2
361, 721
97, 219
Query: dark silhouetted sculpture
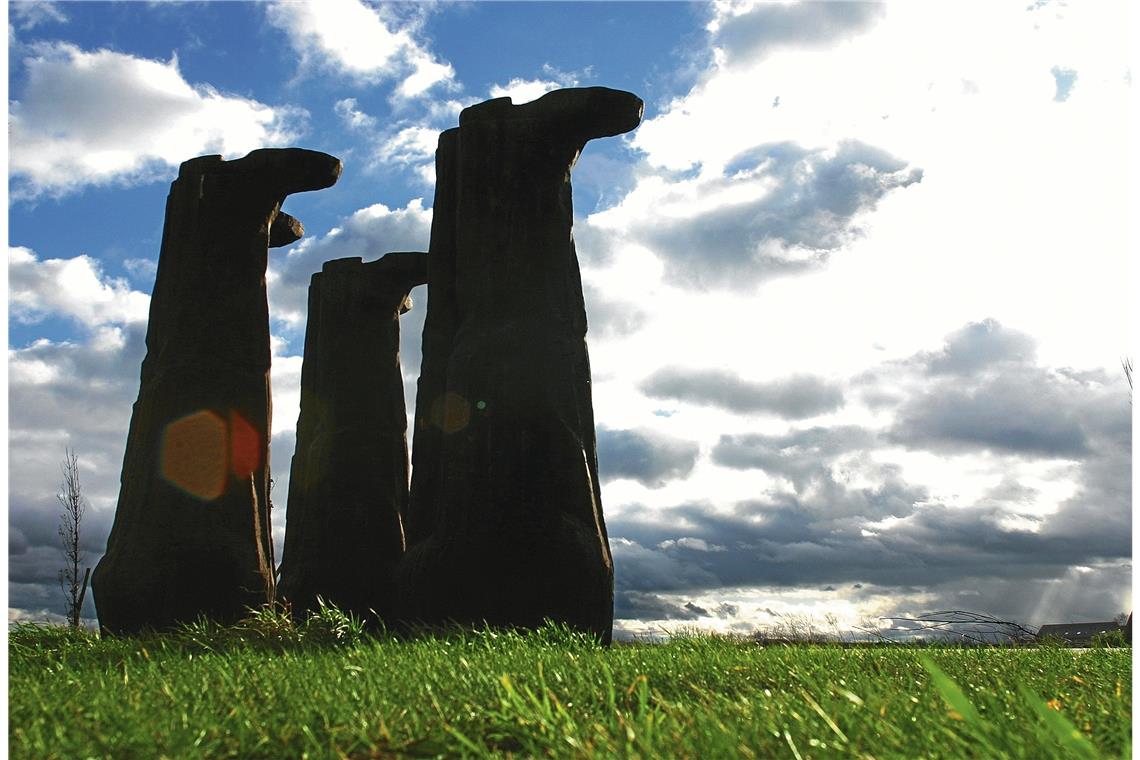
505, 518
348, 489
191, 535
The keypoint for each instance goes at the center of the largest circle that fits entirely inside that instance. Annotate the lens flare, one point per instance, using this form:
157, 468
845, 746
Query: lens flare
200, 451
194, 454
451, 413
245, 447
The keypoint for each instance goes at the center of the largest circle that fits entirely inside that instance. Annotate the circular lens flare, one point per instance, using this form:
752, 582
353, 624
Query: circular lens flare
451, 413
194, 454
200, 451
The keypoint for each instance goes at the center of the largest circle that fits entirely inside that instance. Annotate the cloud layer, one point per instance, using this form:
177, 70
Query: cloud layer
776, 209
843, 511
71, 287
95, 117
644, 456
794, 397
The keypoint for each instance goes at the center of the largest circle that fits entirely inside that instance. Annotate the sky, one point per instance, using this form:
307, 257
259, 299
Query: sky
856, 287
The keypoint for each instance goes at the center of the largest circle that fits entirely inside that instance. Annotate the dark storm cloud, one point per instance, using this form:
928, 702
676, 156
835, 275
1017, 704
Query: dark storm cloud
805, 207
649, 568
649, 458
984, 391
1025, 413
37, 521
767, 26
1101, 509
794, 397
774, 545
828, 532
797, 455
1071, 595
33, 573
1023, 409
635, 605
17, 541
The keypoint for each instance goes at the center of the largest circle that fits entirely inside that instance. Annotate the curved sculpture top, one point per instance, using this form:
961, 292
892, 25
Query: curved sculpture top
505, 519
191, 535
348, 488
590, 111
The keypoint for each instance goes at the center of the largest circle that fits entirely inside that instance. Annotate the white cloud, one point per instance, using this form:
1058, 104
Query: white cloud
748, 30
74, 288
353, 117
368, 233
360, 41
426, 73
1013, 185
102, 116
28, 14
777, 209
521, 90
446, 112
411, 146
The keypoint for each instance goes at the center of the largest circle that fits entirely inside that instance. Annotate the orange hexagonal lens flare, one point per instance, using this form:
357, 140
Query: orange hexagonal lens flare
200, 450
194, 455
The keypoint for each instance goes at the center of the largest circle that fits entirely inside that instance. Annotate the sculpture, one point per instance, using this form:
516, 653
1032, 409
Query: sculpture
348, 488
191, 535
505, 521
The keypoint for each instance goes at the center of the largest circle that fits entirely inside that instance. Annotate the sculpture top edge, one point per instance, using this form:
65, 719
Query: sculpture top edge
401, 261
348, 262
284, 170
407, 269
600, 111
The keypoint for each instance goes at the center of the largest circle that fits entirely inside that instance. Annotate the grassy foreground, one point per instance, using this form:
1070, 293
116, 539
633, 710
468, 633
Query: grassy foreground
327, 691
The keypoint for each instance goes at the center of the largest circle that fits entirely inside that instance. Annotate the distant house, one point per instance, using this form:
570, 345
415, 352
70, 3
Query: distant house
1079, 634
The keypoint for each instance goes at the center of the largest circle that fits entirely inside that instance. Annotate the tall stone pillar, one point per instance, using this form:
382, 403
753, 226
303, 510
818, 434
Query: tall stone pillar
348, 489
191, 535
508, 525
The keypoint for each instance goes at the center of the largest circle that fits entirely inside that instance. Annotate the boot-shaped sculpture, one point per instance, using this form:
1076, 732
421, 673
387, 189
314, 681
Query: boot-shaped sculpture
507, 528
348, 489
191, 535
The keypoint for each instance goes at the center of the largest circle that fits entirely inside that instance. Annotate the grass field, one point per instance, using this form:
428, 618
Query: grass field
326, 691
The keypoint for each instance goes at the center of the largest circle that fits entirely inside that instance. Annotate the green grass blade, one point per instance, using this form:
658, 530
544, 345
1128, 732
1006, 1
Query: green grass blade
826, 718
1068, 735
953, 694
469, 745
